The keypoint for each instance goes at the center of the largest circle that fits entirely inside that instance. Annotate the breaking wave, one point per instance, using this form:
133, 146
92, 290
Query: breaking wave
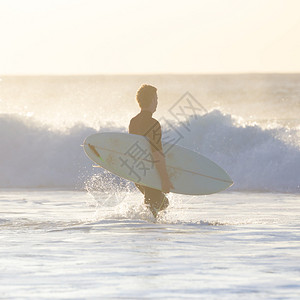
256, 158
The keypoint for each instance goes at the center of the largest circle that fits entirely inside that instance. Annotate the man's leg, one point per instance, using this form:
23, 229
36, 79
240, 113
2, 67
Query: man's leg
141, 188
154, 199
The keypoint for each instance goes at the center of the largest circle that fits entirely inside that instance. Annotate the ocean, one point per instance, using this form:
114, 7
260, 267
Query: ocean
72, 231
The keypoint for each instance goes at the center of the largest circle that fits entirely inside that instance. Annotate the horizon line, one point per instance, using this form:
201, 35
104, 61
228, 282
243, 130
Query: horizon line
143, 74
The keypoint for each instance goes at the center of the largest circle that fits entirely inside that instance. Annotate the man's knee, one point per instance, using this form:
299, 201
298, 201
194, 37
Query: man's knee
158, 203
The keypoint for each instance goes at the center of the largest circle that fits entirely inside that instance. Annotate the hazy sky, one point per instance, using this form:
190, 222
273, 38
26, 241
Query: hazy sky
156, 36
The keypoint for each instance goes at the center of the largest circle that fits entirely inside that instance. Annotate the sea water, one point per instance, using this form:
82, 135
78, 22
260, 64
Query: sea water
71, 231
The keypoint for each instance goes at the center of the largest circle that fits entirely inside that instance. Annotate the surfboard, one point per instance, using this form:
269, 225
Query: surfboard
129, 156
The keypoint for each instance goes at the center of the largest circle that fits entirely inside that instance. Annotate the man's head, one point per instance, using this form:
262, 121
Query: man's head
146, 96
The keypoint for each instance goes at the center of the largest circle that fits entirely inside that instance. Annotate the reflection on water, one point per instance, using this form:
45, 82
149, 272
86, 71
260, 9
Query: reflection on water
55, 245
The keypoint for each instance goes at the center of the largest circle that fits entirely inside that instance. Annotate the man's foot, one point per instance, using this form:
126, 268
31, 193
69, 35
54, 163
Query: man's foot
154, 211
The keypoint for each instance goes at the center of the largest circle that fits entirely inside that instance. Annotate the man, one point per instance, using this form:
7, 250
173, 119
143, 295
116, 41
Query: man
144, 124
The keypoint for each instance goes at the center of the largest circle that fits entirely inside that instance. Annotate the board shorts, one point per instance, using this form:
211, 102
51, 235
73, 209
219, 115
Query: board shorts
154, 199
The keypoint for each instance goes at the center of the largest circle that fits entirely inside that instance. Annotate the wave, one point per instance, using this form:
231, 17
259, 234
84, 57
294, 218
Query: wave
34, 155
257, 159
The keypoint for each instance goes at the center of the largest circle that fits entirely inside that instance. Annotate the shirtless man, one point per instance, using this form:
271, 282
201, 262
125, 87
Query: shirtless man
144, 124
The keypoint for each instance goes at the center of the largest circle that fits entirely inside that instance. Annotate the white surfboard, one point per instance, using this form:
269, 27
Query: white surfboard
129, 156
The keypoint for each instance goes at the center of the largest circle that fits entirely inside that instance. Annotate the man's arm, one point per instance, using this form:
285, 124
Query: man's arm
160, 164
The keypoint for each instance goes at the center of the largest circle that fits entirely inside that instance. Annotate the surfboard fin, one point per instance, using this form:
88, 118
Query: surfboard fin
94, 150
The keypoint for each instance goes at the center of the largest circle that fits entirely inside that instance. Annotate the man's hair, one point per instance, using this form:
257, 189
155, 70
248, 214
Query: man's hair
145, 94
